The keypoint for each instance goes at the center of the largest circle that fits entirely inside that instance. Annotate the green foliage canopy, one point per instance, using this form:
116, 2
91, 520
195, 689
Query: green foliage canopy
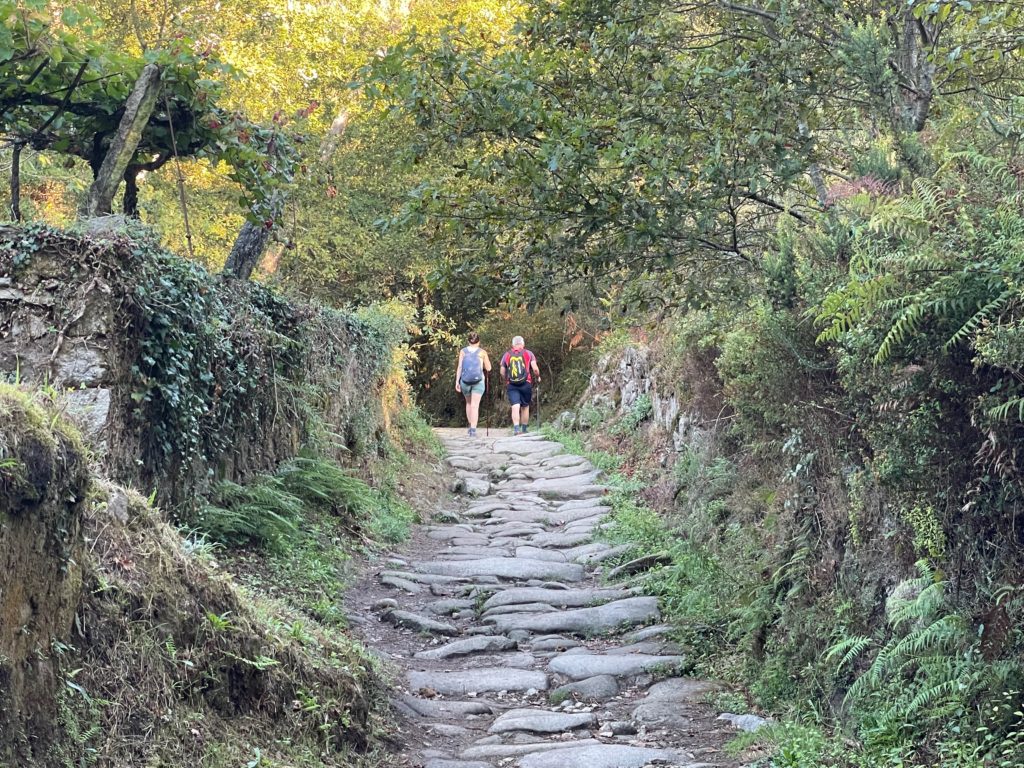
63, 89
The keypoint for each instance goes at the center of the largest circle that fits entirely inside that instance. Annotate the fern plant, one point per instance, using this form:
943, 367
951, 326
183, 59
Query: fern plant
264, 512
926, 673
943, 260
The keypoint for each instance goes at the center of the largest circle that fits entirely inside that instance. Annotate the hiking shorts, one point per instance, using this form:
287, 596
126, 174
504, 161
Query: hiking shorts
472, 389
520, 394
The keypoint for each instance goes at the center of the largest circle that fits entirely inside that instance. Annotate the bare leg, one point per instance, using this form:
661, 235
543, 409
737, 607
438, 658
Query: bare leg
515, 415
524, 415
473, 409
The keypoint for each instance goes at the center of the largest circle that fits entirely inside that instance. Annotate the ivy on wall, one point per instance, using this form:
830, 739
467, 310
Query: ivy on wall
216, 378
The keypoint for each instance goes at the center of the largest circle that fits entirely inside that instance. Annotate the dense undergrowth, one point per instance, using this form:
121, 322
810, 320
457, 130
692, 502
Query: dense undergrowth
817, 559
208, 377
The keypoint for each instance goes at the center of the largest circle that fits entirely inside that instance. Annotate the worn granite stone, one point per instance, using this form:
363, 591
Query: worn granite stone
459, 682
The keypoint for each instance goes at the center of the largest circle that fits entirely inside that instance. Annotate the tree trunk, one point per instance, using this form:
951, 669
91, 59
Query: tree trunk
16, 182
131, 192
253, 238
138, 110
247, 251
916, 74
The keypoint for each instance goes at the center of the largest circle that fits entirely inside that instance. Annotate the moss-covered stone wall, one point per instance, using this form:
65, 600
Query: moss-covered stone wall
181, 377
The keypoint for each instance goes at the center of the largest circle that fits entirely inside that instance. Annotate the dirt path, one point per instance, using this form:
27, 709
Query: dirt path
511, 652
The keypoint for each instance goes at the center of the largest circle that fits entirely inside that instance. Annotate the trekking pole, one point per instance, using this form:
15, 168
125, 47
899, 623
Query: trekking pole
538, 407
490, 401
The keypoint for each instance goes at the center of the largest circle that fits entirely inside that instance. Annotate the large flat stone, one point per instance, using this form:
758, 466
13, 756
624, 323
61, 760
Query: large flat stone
597, 688
560, 539
424, 578
579, 666
564, 488
668, 704
547, 472
419, 623
541, 721
583, 621
449, 606
582, 503
441, 763
450, 532
553, 643
466, 463
444, 709
565, 460
526, 446
504, 567
561, 598
599, 756
459, 682
536, 553
403, 584
475, 552
485, 508
475, 644
681, 690
513, 750
519, 608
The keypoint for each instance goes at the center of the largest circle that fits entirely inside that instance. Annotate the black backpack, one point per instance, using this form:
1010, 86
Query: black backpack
516, 366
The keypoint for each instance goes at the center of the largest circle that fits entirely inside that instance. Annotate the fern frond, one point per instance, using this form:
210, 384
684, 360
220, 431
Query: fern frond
988, 312
1003, 411
932, 693
850, 648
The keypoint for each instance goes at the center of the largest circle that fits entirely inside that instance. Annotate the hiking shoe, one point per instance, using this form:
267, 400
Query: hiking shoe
523, 429
472, 432
515, 429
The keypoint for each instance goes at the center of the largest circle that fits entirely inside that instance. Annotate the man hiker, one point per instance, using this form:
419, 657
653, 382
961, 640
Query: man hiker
471, 378
519, 371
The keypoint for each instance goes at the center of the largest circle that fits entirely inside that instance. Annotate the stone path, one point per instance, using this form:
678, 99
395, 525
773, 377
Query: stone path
512, 653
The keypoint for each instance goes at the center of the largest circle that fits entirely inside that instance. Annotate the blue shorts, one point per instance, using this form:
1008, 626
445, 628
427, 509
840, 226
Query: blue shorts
520, 394
472, 389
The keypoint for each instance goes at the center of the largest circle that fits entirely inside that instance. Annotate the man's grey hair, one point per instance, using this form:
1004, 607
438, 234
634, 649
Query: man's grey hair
518, 340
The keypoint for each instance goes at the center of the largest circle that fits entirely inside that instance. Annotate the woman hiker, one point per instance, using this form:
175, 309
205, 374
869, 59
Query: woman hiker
471, 378
519, 371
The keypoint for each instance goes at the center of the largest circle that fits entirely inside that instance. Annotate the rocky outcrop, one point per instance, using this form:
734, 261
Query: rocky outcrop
631, 378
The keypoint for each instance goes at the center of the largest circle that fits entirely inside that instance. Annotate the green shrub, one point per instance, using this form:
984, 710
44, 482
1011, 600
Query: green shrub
264, 512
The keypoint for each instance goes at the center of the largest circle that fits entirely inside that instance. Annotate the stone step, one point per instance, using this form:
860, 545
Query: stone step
504, 568
542, 721
579, 666
483, 680
600, 619
478, 644
602, 756
560, 598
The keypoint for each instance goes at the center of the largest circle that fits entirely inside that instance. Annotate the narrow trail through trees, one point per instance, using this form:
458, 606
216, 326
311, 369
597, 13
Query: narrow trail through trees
510, 651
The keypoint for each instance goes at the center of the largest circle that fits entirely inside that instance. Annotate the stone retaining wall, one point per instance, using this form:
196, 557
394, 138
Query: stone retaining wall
87, 315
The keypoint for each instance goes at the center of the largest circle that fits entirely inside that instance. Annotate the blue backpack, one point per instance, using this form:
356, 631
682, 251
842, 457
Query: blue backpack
472, 366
